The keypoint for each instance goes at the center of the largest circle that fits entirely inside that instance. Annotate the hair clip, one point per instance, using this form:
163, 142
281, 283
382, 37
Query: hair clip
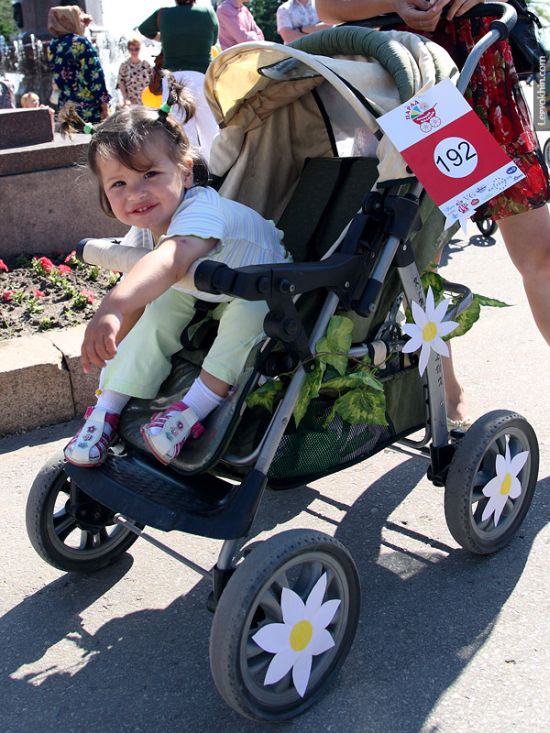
88, 128
165, 108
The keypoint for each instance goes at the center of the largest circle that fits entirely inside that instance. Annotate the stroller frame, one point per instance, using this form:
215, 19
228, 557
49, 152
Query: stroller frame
99, 498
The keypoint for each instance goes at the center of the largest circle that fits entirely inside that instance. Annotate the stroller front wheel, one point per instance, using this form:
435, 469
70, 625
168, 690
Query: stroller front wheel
58, 537
284, 625
491, 481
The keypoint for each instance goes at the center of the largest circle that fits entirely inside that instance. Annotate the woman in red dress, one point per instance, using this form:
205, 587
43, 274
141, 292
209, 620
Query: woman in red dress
495, 95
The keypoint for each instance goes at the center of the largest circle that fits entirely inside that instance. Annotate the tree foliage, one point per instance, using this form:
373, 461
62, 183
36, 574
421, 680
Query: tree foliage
542, 9
7, 25
264, 12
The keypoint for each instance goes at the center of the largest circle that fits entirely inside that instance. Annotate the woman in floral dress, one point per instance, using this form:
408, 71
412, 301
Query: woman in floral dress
76, 68
494, 93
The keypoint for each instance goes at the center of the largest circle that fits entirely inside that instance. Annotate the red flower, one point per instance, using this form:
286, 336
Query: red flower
64, 269
38, 294
88, 294
3, 266
46, 264
6, 295
70, 256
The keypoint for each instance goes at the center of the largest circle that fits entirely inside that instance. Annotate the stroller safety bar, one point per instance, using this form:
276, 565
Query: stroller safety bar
278, 285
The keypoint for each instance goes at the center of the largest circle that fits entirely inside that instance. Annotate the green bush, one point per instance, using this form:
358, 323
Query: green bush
264, 12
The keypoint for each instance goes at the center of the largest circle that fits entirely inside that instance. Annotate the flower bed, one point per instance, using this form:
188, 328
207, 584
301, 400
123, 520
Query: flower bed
38, 294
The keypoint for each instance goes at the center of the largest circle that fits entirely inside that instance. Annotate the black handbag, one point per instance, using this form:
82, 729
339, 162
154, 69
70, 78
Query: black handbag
527, 49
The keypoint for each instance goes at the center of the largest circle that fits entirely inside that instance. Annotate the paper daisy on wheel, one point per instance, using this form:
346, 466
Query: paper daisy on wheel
505, 485
428, 330
302, 635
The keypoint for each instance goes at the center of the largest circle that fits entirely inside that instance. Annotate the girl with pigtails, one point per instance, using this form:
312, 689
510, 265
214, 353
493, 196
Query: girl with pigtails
151, 179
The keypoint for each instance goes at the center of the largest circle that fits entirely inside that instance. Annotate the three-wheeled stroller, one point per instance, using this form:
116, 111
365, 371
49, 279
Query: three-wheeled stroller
285, 613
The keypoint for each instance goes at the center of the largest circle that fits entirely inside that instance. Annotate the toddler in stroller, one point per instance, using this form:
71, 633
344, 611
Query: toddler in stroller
360, 231
148, 179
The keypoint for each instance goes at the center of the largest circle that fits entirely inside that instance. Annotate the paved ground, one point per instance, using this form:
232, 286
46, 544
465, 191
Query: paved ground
447, 643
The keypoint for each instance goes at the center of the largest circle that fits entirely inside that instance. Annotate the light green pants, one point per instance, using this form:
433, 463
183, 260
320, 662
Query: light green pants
143, 360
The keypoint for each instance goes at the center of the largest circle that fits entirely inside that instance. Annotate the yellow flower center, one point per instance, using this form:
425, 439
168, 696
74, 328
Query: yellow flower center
506, 485
300, 636
429, 332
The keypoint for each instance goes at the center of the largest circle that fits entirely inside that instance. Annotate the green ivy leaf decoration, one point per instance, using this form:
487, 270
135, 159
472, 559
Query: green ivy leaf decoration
466, 320
468, 317
353, 381
483, 300
310, 390
266, 395
334, 347
360, 406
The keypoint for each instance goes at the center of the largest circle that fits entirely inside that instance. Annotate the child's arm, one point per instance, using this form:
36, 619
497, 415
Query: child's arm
151, 276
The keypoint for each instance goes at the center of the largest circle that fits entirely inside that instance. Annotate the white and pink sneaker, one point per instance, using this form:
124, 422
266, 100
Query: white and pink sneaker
167, 432
89, 446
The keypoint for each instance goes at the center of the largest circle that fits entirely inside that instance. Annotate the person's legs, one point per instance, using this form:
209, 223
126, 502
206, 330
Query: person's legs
241, 326
527, 239
141, 364
455, 398
202, 127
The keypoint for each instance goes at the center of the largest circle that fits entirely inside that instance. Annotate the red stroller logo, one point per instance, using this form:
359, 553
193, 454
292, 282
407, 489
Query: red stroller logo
424, 116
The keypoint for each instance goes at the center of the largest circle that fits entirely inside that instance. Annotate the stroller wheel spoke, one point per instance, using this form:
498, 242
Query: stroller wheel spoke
63, 524
271, 606
477, 495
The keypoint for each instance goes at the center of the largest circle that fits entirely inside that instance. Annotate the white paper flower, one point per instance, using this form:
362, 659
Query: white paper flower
428, 330
505, 484
302, 636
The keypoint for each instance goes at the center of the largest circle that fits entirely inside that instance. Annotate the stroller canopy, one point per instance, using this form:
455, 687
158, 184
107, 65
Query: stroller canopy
278, 105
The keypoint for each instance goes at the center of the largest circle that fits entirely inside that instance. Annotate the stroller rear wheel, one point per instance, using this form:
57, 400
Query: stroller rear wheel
491, 481
284, 624
62, 540
487, 227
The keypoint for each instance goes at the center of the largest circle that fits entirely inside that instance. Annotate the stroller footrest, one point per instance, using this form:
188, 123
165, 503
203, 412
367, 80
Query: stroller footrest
158, 497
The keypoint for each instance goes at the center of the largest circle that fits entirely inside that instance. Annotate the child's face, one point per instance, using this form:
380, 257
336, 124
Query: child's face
149, 198
30, 102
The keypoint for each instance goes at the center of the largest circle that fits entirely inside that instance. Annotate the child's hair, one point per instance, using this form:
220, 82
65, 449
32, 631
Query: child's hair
123, 135
28, 98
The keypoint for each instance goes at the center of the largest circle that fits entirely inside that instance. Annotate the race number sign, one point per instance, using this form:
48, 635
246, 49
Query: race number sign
450, 150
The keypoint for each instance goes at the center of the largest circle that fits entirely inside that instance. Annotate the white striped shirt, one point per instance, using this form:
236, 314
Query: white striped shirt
244, 237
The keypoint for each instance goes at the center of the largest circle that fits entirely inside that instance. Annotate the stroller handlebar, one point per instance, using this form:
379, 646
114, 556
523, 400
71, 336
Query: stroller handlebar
506, 12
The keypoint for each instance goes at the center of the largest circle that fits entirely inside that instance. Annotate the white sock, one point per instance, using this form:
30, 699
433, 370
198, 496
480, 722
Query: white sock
111, 401
201, 399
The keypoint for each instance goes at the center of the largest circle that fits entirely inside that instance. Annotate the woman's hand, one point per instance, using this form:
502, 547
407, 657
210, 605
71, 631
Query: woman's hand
459, 7
420, 15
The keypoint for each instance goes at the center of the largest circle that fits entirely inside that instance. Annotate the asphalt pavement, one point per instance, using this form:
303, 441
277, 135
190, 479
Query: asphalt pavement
447, 643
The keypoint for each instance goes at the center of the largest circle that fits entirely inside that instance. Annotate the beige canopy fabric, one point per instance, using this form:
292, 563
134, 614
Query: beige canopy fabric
271, 122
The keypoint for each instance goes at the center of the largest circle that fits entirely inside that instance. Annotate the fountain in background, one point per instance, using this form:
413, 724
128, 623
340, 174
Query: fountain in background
49, 203
24, 61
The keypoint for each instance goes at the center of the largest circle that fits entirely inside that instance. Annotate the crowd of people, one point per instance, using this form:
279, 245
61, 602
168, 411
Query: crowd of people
192, 31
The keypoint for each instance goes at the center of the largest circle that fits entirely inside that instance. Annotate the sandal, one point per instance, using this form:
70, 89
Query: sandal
99, 432
463, 424
167, 432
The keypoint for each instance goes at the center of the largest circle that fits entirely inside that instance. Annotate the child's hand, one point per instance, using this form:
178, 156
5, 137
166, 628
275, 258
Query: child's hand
100, 339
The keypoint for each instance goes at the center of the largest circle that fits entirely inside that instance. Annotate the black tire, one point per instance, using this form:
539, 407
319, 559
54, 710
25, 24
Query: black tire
546, 153
473, 466
53, 531
487, 227
295, 559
